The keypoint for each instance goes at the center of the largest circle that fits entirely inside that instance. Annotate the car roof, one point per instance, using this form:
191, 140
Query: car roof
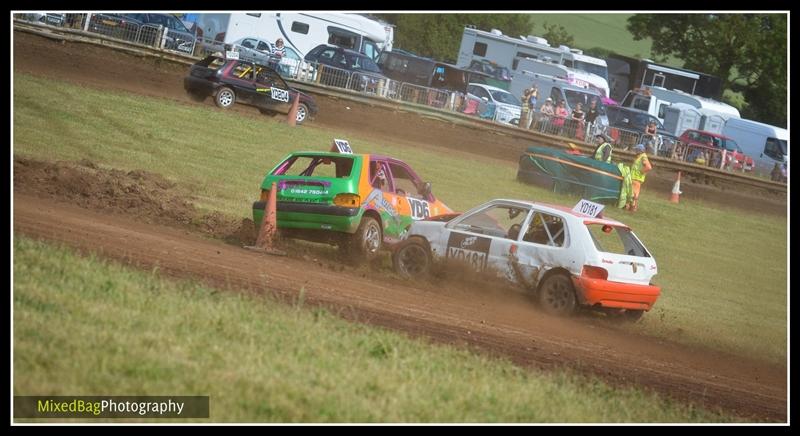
555, 208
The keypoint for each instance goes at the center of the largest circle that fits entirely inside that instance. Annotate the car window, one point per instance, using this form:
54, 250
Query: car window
269, 77
773, 148
249, 43
545, 229
263, 46
327, 54
212, 62
242, 71
500, 221
505, 97
404, 182
379, 176
291, 54
316, 166
616, 240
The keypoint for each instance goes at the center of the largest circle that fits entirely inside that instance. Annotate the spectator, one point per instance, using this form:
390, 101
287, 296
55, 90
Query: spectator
591, 114
523, 122
278, 49
577, 120
546, 113
560, 116
650, 132
547, 107
641, 166
533, 99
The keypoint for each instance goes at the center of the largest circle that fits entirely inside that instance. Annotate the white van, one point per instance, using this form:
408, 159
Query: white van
767, 144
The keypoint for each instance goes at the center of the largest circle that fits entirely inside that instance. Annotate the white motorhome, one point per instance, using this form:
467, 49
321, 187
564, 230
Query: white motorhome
767, 144
508, 52
573, 76
655, 100
300, 32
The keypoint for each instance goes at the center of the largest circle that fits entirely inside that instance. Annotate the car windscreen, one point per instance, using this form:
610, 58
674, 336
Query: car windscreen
616, 240
316, 166
505, 97
362, 63
584, 98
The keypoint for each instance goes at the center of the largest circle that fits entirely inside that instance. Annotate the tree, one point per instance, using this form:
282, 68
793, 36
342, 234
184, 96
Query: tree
557, 35
746, 51
439, 35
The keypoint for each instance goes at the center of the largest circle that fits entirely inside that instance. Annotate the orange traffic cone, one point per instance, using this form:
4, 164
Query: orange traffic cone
676, 190
269, 227
292, 117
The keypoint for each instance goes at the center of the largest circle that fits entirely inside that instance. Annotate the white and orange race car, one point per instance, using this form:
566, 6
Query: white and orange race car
569, 257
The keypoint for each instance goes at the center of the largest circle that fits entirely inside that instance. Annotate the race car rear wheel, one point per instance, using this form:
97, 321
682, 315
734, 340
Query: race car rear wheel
412, 259
225, 97
557, 295
365, 243
302, 113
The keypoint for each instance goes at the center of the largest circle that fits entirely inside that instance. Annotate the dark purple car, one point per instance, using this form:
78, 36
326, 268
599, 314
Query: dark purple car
243, 81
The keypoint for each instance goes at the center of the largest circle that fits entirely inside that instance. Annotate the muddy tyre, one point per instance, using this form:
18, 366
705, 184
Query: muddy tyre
366, 242
225, 97
557, 295
412, 259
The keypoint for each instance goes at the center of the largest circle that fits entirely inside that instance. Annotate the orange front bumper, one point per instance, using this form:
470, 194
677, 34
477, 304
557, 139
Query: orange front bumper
615, 294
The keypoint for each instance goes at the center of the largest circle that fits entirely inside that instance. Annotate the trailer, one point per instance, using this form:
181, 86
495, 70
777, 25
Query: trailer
627, 73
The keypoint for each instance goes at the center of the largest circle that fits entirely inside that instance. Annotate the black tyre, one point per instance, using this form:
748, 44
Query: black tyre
366, 242
302, 113
225, 97
412, 259
557, 295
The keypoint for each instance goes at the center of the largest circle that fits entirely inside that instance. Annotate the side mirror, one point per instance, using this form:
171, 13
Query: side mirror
426, 189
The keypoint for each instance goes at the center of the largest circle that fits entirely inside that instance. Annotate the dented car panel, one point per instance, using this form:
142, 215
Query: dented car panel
524, 241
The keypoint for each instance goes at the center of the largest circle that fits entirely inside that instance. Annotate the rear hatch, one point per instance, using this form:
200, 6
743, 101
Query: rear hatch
622, 255
207, 67
314, 178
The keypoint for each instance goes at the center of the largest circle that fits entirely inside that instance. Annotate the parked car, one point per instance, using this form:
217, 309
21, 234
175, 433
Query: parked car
735, 157
261, 51
359, 202
143, 28
508, 108
352, 70
498, 76
231, 80
568, 259
627, 125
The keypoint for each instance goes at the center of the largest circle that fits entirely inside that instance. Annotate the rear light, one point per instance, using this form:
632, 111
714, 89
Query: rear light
347, 200
594, 272
265, 195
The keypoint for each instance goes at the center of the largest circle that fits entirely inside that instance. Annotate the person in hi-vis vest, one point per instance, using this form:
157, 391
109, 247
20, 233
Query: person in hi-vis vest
641, 166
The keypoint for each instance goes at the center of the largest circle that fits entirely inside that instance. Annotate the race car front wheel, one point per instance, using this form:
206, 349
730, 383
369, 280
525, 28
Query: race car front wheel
225, 97
412, 259
302, 113
557, 295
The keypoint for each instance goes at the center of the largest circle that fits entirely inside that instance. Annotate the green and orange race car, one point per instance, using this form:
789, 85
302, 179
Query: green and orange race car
360, 202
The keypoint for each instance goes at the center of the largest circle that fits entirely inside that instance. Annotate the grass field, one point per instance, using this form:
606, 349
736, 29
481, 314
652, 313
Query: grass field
84, 326
723, 271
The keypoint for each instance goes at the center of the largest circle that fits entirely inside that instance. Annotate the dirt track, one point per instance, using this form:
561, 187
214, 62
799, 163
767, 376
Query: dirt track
105, 68
496, 322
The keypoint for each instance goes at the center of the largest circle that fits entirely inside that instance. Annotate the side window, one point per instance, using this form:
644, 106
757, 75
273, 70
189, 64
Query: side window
692, 136
500, 221
339, 59
404, 182
327, 54
249, 43
479, 49
773, 149
299, 27
243, 71
661, 109
379, 176
263, 46
546, 229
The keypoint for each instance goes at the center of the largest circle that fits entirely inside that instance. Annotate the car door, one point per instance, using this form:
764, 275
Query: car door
241, 77
543, 244
272, 91
483, 239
